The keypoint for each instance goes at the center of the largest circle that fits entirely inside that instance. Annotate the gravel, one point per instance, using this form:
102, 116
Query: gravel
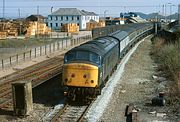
132, 83
98, 108
135, 81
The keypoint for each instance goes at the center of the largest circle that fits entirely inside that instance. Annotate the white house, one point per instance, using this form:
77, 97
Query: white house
70, 15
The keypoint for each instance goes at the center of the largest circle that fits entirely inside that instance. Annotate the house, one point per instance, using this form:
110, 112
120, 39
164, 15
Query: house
70, 15
33, 18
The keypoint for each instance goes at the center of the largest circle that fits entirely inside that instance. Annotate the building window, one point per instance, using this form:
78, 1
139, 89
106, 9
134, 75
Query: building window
72, 18
66, 18
56, 24
77, 18
61, 24
61, 17
50, 24
51, 17
56, 18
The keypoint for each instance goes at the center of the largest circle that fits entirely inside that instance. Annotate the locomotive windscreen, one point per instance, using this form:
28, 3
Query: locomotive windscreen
82, 56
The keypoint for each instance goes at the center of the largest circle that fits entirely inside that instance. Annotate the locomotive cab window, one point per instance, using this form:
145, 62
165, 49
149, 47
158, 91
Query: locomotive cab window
95, 58
88, 56
83, 56
69, 57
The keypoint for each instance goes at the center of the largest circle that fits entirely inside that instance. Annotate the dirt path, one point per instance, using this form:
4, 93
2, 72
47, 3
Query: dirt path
138, 87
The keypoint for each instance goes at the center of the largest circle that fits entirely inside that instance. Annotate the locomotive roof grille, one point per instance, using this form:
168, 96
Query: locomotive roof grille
99, 46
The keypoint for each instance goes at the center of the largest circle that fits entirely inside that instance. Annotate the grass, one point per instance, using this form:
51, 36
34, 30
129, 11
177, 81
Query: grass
10, 47
167, 55
21, 43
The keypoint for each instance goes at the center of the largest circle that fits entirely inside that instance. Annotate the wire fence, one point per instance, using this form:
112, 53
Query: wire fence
42, 50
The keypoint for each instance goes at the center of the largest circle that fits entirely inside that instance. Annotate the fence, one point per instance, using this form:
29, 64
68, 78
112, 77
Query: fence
42, 50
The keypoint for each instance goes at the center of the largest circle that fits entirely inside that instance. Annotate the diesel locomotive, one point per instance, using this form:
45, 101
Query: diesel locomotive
88, 67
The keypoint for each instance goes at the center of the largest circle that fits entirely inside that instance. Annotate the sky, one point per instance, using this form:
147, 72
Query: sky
24, 8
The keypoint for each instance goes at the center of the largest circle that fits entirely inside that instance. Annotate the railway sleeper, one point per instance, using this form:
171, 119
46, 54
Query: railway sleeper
82, 94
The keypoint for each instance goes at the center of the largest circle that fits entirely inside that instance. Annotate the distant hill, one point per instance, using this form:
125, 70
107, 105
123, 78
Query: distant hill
142, 15
173, 16
153, 15
148, 16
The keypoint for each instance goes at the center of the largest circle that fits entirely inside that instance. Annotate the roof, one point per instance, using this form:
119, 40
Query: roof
119, 35
137, 20
89, 13
37, 16
72, 11
99, 46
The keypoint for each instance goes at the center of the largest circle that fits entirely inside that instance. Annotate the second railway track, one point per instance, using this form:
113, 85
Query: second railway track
37, 73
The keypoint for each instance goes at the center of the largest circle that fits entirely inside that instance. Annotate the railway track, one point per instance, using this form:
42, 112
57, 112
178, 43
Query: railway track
37, 74
71, 113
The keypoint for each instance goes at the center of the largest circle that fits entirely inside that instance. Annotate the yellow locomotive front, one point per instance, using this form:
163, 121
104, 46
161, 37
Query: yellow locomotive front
80, 75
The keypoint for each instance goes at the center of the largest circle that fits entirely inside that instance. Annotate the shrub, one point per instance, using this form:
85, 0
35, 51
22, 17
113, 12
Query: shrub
167, 55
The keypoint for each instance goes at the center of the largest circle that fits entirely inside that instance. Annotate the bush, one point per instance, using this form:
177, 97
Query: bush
167, 55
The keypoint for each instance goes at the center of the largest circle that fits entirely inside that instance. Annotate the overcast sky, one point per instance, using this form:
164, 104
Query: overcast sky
112, 7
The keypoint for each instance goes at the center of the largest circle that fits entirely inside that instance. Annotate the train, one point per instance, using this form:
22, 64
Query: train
88, 66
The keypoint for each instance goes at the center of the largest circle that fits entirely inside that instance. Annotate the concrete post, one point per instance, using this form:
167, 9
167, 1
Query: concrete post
22, 97
134, 116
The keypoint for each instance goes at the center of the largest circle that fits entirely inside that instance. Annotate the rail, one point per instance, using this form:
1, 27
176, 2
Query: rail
37, 73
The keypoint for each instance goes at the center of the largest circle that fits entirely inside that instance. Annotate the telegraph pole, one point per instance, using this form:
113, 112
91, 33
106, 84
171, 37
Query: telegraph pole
165, 14
19, 13
179, 13
3, 19
105, 13
20, 22
3, 9
37, 19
